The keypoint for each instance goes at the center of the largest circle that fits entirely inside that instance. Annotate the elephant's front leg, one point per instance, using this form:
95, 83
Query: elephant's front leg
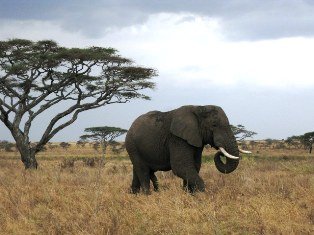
197, 164
186, 187
154, 179
191, 180
183, 164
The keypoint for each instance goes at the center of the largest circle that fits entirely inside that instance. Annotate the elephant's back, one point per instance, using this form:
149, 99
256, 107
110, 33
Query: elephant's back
149, 134
150, 123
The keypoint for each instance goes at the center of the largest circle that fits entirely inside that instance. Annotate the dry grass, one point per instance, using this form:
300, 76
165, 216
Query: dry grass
54, 152
265, 195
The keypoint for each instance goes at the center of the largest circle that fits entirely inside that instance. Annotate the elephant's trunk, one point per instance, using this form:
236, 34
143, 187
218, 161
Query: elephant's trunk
231, 152
228, 167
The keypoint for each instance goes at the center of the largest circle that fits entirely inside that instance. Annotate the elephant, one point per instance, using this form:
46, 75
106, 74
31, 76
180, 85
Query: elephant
174, 140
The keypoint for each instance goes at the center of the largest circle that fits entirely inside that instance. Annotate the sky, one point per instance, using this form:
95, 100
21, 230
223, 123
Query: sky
253, 58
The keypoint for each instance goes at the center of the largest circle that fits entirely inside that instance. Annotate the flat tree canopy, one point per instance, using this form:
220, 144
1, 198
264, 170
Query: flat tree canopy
103, 135
306, 140
241, 133
35, 76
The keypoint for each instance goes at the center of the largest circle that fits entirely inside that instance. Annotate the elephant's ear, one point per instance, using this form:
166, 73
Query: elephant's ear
185, 126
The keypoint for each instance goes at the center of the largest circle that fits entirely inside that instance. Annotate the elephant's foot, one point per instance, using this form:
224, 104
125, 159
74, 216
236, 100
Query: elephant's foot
134, 190
154, 180
146, 191
194, 187
156, 189
137, 190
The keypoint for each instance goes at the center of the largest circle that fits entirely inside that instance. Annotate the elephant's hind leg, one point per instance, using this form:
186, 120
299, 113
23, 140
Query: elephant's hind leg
136, 185
154, 179
143, 176
141, 173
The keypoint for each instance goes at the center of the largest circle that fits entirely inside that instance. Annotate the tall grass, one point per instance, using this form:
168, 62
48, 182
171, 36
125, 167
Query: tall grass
262, 196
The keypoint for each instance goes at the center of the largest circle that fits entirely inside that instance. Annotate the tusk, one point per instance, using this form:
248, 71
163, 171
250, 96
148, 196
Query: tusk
227, 154
244, 151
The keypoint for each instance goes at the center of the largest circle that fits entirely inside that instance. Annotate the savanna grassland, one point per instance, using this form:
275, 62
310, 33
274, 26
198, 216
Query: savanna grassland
271, 192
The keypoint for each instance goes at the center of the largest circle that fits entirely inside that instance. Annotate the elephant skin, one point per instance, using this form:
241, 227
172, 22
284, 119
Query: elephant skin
174, 140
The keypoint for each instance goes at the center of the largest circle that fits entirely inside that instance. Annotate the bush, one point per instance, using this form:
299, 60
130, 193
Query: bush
80, 143
67, 163
117, 147
6, 146
93, 161
65, 145
89, 161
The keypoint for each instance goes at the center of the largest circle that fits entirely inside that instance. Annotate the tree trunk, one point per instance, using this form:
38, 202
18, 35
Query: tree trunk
28, 158
103, 152
24, 147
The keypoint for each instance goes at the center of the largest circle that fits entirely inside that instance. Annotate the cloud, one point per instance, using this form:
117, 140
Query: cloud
192, 51
197, 63
240, 20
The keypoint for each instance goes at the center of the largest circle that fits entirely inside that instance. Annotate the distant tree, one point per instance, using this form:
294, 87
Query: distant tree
280, 145
252, 144
6, 146
80, 143
293, 141
64, 145
269, 142
51, 145
117, 147
35, 76
241, 133
103, 135
288, 141
307, 140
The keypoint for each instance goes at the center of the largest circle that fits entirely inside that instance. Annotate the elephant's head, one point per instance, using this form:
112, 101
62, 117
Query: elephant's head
201, 125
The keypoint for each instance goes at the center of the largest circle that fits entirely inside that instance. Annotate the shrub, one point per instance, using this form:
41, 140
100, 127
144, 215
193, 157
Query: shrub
67, 163
93, 161
6, 146
65, 145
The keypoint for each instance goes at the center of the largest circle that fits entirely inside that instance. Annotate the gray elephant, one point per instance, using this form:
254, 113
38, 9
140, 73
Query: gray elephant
174, 140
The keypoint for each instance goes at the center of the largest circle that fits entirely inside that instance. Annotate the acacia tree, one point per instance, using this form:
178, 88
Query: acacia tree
269, 142
241, 133
103, 135
293, 141
36, 76
307, 140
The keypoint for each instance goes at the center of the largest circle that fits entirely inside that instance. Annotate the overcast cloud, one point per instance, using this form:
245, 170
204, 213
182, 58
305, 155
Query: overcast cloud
253, 58
240, 19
